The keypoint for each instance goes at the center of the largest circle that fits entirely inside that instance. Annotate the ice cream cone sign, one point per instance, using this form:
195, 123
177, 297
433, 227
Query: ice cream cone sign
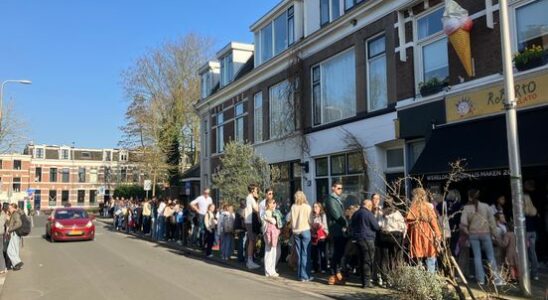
457, 25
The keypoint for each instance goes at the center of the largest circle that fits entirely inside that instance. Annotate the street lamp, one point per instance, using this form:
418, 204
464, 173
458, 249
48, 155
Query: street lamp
21, 81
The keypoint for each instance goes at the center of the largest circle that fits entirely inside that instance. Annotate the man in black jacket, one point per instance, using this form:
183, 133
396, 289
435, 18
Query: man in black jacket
364, 229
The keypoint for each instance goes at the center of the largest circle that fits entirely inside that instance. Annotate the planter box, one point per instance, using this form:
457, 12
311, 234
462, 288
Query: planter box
430, 90
533, 63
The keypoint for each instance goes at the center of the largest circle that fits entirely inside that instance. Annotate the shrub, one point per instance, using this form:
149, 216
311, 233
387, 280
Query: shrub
416, 283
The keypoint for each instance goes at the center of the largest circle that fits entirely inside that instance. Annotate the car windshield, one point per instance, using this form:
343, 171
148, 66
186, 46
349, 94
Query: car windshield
70, 214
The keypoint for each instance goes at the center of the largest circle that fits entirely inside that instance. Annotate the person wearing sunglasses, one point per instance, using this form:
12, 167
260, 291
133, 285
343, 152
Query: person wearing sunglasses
337, 224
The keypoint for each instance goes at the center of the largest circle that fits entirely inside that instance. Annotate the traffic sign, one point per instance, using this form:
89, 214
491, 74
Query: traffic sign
147, 185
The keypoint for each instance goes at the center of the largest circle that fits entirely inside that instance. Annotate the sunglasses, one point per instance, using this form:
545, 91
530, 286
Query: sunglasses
339, 188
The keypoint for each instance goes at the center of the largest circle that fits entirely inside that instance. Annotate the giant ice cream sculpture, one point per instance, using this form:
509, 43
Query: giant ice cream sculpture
457, 25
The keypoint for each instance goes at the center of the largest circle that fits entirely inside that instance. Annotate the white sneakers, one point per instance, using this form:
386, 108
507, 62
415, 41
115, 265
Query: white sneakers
251, 265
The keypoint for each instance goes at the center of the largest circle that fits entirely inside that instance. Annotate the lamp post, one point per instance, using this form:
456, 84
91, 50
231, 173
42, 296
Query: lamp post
513, 151
21, 81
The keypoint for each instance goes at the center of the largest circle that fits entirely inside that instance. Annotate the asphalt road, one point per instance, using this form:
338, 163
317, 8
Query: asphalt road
116, 266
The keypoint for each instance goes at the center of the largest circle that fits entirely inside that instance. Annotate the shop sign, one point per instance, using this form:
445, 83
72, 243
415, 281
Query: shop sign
530, 91
473, 174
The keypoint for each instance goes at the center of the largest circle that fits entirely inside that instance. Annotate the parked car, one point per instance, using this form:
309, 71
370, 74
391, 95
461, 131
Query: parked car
69, 224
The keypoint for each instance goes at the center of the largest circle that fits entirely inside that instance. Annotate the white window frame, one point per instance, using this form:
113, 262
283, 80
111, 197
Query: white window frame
420, 43
258, 127
43, 149
342, 8
61, 153
227, 72
367, 63
514, 6
259, 40
123, 155
321, 98
270, 102
219, 138
105, 154
239, 118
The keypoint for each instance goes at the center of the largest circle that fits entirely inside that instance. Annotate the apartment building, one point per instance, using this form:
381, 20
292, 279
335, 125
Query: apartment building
53, 176
328, 83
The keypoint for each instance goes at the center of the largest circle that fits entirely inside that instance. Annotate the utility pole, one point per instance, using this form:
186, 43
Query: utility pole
513, 150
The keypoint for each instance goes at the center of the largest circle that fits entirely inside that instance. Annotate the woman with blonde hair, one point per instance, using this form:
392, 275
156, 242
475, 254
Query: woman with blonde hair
423, 230
299, 218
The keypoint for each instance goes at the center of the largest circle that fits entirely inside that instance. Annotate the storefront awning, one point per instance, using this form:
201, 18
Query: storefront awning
482, 143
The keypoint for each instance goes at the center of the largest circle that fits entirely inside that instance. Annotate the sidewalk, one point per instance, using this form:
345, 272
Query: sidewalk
351, 290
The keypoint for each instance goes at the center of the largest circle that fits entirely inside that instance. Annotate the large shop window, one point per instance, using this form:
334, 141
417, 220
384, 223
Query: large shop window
347, 168
239, 122
532, 24
258, 117
282, 115
275, 37
330, 10
220, 141
376, 74
334, 88
432, 44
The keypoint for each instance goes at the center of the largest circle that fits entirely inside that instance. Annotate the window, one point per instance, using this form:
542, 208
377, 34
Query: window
81, 196
532, 25
123, 174
86, 155
16, 185
17, 164
432, 44
52, 198
239, 122
123, 155
37, 199
38, 152
377, 85
348, 4
81, 174
282, 120
394, 158
330, 10
227, 69
65, 154
258, 117
64, 197
220, 142
276, 36
334, 88
93, 176
347, 168
414, 151
205, 80
65, 175
38, 175
53, 174
92, 196
1, 162
107, 155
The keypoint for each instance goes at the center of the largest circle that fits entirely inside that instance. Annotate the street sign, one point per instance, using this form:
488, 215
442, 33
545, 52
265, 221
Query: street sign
101, 190
148, 185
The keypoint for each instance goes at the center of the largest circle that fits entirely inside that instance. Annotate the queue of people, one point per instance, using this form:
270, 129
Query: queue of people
371, 240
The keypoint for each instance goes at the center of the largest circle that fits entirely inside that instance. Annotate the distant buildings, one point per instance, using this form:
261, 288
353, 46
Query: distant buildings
52, 176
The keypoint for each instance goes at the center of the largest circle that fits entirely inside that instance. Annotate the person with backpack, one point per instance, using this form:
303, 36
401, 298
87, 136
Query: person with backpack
14, 224
227, 229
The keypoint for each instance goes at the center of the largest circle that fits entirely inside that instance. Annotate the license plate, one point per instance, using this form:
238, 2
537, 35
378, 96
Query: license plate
75, 233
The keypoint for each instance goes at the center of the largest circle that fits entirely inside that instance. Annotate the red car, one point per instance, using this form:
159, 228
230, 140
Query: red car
69, 224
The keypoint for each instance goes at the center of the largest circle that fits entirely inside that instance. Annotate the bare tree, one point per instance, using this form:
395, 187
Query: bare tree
161, 87
13, 130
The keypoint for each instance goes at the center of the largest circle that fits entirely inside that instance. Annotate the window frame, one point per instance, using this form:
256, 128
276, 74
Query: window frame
219, 138
237, 119
331, 17
397, 169
319, 83
354, 3
83, 198
368, 61
292, 111
54, 172
80, 174
289, 34
513, 18
258, 123
20, 165
38, 174
41, 151
421, 43
16, 181
227, 71
65, 171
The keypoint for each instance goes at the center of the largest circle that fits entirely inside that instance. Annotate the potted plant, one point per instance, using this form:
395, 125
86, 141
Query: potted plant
432, 86
530, 57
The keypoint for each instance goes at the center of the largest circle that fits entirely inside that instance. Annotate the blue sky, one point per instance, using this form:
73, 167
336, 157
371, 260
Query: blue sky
75, 50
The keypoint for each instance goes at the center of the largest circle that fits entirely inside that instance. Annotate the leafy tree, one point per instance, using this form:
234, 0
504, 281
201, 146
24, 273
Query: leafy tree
240, 167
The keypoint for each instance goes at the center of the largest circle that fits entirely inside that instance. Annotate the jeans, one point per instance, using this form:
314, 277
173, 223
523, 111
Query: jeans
227, 240
367, 258
209, 240
431, 264
161, 228
240, 246
339, 244
302, 246
13, 249
146, 224
479, 242
319, 256
532, 252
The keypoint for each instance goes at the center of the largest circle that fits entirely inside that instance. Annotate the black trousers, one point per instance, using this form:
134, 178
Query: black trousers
319, 256
339, 244
366, 256
209, 240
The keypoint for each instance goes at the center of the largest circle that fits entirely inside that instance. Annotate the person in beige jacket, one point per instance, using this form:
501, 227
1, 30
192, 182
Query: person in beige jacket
300, 219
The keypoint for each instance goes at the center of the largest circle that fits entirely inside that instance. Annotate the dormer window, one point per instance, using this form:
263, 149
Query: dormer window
39, 152
276, 36
227, 70
209, 76
64, 153
123, 155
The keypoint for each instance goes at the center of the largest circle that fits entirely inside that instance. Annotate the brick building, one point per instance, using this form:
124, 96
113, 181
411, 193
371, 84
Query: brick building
55, 175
